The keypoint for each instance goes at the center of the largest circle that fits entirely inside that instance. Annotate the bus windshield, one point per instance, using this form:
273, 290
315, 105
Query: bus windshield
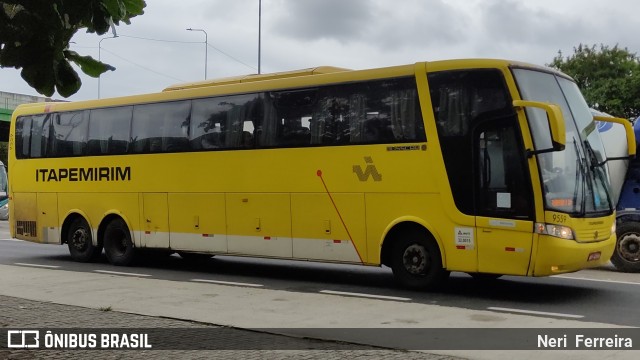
573, 180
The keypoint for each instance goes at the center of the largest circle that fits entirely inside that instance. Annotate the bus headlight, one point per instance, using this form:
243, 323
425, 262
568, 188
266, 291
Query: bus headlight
559, 231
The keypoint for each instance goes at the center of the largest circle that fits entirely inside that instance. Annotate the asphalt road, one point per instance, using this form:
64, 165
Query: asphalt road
602, 295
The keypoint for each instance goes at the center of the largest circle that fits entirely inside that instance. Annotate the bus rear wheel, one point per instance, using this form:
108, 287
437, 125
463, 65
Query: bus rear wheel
416, 262
626, 256
80, 241
117, 243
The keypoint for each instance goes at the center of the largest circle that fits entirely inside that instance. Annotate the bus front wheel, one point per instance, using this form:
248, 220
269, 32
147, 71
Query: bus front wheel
117, 243
80, 241
416, 262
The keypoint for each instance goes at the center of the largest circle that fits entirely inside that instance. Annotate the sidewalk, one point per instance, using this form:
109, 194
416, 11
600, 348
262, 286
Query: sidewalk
20, 313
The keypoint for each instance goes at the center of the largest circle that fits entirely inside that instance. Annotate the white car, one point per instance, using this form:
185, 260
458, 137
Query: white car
4, 212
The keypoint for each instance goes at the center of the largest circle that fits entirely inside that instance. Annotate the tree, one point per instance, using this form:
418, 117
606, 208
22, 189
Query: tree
35, 36
608, 77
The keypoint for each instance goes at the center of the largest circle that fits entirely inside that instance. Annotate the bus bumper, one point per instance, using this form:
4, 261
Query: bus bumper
558, 256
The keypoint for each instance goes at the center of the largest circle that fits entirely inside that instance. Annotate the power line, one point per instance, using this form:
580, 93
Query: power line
169, 41
192, 42
161, 40
142, 67
230, 57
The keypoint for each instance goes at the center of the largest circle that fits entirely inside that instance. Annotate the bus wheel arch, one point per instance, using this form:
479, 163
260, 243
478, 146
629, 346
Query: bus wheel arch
414, 255
118, 240
77, 233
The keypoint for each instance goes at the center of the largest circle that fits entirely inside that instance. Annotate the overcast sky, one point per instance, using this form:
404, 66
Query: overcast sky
356, 34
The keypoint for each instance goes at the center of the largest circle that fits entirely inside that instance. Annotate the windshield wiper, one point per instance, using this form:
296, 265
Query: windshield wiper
597, 168
581, 169
592, 155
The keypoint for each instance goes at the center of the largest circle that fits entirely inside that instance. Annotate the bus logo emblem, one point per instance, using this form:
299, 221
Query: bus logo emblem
369, 171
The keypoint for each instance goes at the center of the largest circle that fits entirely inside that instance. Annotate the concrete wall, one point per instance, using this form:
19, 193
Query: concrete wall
9, 101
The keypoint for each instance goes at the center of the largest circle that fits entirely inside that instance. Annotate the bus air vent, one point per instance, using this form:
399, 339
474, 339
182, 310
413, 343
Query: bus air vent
26, 228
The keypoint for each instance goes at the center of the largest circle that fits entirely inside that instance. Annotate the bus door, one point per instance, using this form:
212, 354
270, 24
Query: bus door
503, 198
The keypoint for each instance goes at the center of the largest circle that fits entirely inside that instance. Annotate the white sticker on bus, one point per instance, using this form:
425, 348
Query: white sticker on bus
464, 238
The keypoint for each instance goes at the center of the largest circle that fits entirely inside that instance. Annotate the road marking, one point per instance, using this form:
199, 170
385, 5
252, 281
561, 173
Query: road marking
597, 280
10, 240
119, 273
531, 312
226, 282
38, 265
381, 297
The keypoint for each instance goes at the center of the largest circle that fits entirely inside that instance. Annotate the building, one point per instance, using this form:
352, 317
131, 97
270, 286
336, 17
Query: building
8, 102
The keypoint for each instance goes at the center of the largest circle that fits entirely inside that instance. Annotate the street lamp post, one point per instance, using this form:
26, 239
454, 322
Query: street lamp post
206, 45
259, 33
99, 57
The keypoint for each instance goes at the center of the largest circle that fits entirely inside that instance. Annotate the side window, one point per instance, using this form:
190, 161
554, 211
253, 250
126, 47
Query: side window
161, 127
373, 112
230, 122
69, 134
109, 131
23, 137
291, 114
463, 100
40, 131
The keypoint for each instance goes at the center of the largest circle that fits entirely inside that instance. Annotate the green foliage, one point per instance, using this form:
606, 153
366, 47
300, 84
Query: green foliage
35, 36
608, 77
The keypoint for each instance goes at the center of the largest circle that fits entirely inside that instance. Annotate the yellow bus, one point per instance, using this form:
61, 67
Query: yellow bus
488, 167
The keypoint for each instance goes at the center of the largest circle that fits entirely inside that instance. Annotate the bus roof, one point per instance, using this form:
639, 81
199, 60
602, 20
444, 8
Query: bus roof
280, 80
256, 77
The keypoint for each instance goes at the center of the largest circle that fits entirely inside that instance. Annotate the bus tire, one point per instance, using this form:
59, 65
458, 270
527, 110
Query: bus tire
626, 256
416, 261
80, 241
117, 243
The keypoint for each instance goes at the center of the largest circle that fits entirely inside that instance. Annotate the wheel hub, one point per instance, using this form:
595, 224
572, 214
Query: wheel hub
415, 259
79, 239
629, 247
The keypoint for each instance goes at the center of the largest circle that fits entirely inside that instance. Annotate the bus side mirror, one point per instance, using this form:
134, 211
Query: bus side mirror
555, 119
628, 129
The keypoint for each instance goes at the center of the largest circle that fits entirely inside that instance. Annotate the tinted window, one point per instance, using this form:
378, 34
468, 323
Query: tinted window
230, 122
69, 134
161, 127
109, 131
288, 116
373, 112
23, 136
381, 111
40, 131
503, 188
